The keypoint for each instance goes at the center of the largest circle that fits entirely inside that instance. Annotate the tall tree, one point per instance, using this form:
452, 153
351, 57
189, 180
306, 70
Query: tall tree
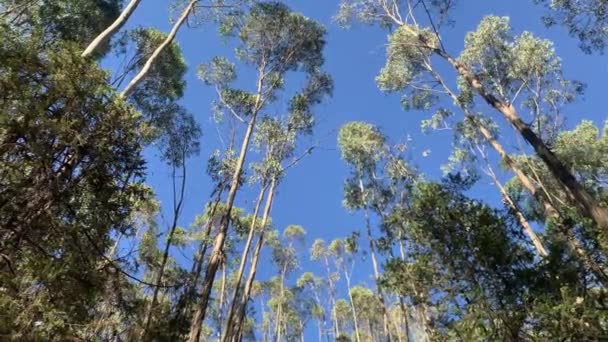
362, 146
273, 41
495, 65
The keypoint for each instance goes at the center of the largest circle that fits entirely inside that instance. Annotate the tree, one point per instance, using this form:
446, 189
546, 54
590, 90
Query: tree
342, 252
273, 41
104, 36
521, 63
309, 282
363, 146
319, 252
71, 171
586, 20
286, 260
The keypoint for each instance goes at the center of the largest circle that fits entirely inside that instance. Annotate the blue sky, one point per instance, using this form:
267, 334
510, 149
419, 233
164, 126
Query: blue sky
311, 193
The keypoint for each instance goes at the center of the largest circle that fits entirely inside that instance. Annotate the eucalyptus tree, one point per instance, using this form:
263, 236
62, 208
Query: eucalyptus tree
584, 19
319, 253
212, 11
273, 41
278, 138
362, 147
570, 145
379, 184
504, 71
107, 34
343, 315
181, 142
314, 285
285, 258
342, 252
369, 312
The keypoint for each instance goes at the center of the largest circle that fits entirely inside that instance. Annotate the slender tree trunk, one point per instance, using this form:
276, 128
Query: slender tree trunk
405, 320
319, 330
195, 272
235, 330
111, 30
588, 205
146, 68
332, 298
239, 277
222, 298
161, 271
372, 248
540, 248
218, 246
280, 307
197, 266
352, 305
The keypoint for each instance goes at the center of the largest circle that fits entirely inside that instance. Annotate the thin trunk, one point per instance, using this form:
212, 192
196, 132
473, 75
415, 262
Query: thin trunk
540, 248
197, 265
280, 308
177, 205
111, 30
372, 248
218, 246
402, 305
588, 205
244, 256
352, 305
319, 330
146, 68
548, 208
405, 320
235, 330
222, 296
332, 298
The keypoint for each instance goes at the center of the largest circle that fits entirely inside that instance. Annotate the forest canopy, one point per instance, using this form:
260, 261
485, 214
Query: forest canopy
348, 170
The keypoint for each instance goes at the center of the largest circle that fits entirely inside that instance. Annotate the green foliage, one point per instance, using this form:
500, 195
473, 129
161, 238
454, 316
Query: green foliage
280, 39
361, 144
71, 161
78, 21
172, 127
406, 61
523, 68
585, 20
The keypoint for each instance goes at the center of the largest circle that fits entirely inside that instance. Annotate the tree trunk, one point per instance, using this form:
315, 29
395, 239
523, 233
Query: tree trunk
111, 30
197, 265
146, 68
244, 256
218, 245
372, 248
222, 298
278, 327
588, 205
540, 248
332, 298
549, 210
352, 304
159, 277
234, 331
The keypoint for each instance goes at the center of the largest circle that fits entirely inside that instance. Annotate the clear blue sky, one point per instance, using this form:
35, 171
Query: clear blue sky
311, 194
